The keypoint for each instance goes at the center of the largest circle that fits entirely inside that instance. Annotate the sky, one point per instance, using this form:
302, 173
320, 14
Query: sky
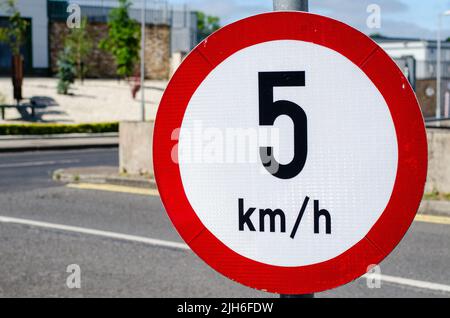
404, 18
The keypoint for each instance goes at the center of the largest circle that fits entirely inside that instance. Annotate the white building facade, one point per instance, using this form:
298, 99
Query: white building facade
418, 59
40, 13
36, 12
423, 51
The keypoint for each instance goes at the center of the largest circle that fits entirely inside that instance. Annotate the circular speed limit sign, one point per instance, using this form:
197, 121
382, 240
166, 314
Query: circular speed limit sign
290, 152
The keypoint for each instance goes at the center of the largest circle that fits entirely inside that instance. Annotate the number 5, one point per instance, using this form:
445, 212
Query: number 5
269, 111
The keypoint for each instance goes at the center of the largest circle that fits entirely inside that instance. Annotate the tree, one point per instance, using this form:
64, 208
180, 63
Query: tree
15, 36
79, 44
123, 40
377, 36
66, 71
206, 25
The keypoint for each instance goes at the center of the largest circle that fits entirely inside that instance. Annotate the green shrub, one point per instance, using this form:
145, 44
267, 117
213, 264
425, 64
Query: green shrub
79, 44
51, 129
66, 71
206, 25
123, 40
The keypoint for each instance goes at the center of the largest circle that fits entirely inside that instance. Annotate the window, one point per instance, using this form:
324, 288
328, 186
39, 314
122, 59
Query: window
5, 52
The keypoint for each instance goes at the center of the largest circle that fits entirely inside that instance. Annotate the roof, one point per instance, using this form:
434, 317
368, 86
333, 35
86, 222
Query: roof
381, 39
432, 44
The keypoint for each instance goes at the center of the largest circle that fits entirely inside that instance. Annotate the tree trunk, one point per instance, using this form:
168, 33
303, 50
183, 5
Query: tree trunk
17, 76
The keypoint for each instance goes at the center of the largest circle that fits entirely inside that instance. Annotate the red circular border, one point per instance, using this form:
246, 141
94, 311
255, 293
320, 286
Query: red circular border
390, 228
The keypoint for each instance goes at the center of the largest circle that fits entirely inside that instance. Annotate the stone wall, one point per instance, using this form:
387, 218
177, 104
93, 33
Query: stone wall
101, 64
157, 52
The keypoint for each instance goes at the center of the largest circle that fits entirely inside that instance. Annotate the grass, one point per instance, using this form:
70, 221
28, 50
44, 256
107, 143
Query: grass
51, 129
437, 196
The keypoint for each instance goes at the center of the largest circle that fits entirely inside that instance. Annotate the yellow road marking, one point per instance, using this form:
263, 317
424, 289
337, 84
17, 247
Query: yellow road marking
433, 219
113, 188
153, 192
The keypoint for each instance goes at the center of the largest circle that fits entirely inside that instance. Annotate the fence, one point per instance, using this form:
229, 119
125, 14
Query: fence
182, 21
427, 69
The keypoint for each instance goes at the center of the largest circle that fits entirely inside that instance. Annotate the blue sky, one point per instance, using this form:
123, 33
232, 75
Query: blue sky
409, 18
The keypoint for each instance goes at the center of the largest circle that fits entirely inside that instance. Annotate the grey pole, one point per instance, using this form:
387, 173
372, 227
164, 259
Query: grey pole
292, 5
143, 59
438, 70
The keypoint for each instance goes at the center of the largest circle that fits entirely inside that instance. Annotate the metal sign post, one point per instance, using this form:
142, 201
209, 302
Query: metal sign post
292, 5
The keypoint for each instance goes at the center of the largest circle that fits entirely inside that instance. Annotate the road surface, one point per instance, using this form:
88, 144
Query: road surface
126, 247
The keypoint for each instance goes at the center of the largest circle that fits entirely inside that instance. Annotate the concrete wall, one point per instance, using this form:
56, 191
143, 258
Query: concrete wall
175, 61
135, 148
37, 11
438, 161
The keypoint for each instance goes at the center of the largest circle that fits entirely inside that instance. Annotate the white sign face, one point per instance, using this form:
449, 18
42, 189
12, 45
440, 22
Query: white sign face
294, 215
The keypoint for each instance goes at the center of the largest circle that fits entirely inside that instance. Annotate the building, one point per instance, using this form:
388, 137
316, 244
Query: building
168, 30
35, 50
418, 59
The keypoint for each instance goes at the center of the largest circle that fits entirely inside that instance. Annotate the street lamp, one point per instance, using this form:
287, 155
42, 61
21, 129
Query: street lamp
439, 66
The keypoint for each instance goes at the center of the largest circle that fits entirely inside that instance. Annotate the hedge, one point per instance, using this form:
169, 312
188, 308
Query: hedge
51, 129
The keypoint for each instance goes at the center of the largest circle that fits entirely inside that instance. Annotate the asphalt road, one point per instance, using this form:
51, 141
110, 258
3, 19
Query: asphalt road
33, 259
33, 170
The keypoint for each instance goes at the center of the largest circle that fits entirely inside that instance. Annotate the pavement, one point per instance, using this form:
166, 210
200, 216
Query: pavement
125, 245
103, 175
435, 207
20, 172
96, 100
58, 142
